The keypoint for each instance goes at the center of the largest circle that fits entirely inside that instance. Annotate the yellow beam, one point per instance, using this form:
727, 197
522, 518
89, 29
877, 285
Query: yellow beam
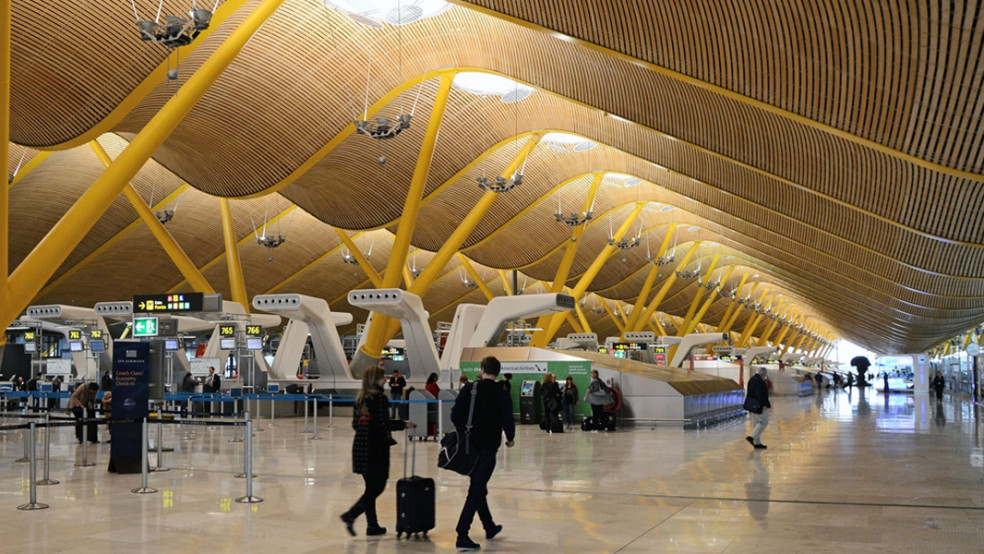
574, 324
707, 304
407, 276
651, 308
584, 320
30, 165
764, 338
167, 242
659, 324
475, 277
585, 281
699, 295
737, 312
411, 207
32, 273
640, 304
5, 18
367, 267
752, 324
732, 304
621, 313
506, 285
237, 284
612, 315
380, 331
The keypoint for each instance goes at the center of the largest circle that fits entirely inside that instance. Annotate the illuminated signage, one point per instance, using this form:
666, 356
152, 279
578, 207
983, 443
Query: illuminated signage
29, 335
96, 334
393, 353
184, 302
254, 331
74, 334
659, 355
623, 346
227, 330
145, 327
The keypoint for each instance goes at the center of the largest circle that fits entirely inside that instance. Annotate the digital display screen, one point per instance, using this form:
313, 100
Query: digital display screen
184, 302
227, 344
75, 346
527, 389
273, 388
393, 353
97, 345
30, 347
171, 344
629, 346
254, 343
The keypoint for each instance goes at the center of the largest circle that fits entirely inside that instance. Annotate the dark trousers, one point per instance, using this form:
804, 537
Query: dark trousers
478, 491
599, 415
366, 504
93, 428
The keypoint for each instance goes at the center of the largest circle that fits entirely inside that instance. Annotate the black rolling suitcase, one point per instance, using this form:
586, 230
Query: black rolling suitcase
414, 499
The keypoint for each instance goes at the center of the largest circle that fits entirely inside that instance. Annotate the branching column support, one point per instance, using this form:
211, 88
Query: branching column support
174, 251
382, 328
621, 314
29, 166
707, 303
764, 337
732, 305
651, 308
585, 326
475, 277
786, 329
752, 323
698, 296
614, 317
635, 320
354, 251
564, 268
654, 319
5, 14
54, 248
734, 316
585, 281
569, 317
237, 284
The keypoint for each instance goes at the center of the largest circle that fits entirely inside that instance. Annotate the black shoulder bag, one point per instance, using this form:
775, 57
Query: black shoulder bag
457, 453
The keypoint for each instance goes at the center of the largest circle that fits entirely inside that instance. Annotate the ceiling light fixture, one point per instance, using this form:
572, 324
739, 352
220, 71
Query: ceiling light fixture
175, 31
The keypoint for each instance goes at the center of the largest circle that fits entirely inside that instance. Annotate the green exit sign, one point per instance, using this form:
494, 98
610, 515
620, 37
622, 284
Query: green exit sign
145, 327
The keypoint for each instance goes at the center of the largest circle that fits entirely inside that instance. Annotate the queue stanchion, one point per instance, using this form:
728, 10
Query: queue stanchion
236, 437
33, 504
315, 436
27, 456
160, 441
248, 466
85, 441
331, 411
273, 412
47, 452
144, 489
258, 412
305, 430
440, 419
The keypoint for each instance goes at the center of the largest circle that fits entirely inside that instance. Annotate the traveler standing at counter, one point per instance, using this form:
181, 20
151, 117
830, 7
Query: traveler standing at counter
396, 384
371, 448
83, 398
431, 385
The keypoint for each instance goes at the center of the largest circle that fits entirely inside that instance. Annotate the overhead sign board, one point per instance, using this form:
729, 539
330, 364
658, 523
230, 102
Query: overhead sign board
29, 335
227, 330
96, 334
74, 334
254, 331
145, 327
629, 346
183, 302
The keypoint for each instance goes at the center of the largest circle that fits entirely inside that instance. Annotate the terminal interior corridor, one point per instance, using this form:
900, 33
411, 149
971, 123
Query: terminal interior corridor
843, 472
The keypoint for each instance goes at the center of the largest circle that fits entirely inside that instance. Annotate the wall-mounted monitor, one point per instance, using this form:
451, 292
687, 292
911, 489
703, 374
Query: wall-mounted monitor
227, 344
170, 345
272, 387
75, 346
97, 345
30, 347
254, 343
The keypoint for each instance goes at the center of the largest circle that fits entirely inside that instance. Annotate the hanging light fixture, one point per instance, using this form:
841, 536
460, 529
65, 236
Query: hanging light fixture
175, 31
574, 219
465, 280
502, 184
623, 243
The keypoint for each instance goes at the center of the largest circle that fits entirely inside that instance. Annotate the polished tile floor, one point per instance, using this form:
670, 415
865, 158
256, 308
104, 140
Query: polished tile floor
844, 472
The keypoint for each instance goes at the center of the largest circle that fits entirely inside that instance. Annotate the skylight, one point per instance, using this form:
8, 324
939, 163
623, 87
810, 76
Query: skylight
487, 84
623, 179
374, 13
567, 143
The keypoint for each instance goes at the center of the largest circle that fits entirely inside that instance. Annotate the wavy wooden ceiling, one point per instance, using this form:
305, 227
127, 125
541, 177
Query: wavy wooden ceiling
833, 149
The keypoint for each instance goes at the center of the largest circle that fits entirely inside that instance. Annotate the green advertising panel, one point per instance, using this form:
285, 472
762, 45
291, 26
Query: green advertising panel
534, 371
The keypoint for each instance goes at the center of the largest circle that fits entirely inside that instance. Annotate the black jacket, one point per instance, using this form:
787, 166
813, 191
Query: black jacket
370, 448
551, 396
493, 414
759, 390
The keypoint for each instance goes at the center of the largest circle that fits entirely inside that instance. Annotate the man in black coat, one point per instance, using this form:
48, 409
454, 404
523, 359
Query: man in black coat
759, 391
492, 416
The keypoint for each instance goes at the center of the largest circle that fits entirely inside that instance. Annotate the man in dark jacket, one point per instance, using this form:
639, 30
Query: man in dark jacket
758, 390
492, 416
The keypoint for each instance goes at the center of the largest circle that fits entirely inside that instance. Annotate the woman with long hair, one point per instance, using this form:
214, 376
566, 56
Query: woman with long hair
370, 448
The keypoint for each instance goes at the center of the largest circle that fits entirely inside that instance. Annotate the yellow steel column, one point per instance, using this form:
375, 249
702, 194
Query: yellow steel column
734, 316
380, 332
707, 304
659, 324
573, 321
27, 168
174, 251
506, 285
367, 267
612, 315
5, 11
585, 281
764, 338
699, 295
408, 221
651, 309
786, 328
564, 268
580, 315
237, 284
621, 313
475, 277
635, 321
732, 304
54, 248
750, 329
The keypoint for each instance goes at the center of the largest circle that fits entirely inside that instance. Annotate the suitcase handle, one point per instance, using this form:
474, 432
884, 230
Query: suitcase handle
413, 459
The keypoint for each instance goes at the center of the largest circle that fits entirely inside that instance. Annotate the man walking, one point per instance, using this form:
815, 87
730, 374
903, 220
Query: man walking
492, 416
757, 404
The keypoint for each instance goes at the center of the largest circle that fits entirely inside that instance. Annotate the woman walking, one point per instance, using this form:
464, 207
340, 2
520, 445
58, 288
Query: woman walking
370, 448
